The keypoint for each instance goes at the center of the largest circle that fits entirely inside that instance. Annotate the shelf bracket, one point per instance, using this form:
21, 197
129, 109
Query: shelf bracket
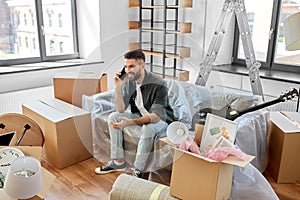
230, 8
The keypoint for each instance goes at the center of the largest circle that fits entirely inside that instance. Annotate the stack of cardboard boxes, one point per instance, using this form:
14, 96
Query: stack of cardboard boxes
66, 127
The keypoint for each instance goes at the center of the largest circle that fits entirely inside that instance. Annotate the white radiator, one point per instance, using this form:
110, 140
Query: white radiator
12, 102
290, 105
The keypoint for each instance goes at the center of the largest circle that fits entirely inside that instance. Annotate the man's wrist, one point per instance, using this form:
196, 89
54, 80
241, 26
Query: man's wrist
142, 120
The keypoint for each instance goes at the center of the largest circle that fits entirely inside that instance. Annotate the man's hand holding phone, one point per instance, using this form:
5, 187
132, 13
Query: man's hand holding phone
123, 74
119, 78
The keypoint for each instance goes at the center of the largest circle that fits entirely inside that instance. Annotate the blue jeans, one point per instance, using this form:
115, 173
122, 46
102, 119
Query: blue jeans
146, 140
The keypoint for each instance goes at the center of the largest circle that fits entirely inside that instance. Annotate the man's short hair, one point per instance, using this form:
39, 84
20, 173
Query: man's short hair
135, 54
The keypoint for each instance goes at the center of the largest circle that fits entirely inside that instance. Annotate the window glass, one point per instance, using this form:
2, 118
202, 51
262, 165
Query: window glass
59, 28
14, 30
282, 56
259, 15
27, 37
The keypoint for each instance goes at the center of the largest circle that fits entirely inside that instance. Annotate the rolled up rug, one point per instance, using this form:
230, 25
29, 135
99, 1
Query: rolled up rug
132, 188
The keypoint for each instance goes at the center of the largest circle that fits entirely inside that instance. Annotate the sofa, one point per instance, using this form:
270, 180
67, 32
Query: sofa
187, 99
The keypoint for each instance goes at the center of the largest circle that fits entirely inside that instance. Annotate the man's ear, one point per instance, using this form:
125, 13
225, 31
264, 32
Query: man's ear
142, 63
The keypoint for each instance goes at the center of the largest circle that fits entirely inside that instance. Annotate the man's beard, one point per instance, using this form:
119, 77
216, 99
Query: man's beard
136, 75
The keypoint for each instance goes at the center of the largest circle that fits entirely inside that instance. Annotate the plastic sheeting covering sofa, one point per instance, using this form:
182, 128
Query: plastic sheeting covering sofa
186, 99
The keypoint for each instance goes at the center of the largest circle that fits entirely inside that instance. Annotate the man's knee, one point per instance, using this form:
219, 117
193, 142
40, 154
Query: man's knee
149, 130
114, 116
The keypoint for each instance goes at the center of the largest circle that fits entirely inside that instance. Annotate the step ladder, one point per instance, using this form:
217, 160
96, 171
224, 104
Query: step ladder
237, 8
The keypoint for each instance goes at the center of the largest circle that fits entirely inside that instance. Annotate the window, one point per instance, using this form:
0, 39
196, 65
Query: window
268, 34
52, 46
60, 20
283, 56
20, 41
32, 18
50, 20
61, 47
26, 42
25, 19
33, 44
34, 22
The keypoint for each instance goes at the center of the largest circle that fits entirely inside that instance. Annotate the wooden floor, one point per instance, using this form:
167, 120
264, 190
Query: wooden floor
284, 191
80, 182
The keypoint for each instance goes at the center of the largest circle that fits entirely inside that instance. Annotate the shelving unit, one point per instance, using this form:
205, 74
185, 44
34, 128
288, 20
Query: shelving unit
159, 37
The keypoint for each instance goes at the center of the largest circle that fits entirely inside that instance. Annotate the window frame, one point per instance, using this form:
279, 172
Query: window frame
41, 39
269, 64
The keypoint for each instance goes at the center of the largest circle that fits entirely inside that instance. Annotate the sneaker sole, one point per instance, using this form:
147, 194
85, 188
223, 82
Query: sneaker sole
110, 171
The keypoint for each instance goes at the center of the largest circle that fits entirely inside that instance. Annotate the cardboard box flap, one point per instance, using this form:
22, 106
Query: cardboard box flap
68, 109
48, 112
288, 122
80, 75
237, 162
229, 160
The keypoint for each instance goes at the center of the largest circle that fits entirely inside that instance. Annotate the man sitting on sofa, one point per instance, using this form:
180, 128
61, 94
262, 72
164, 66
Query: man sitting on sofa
141, 100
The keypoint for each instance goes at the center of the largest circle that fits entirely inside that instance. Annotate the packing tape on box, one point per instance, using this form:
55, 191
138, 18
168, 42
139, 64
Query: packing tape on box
132, 188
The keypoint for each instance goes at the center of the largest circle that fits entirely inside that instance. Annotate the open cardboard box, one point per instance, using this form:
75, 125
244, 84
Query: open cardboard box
48, 178
70, 87
67, 131
196, 177
284, 148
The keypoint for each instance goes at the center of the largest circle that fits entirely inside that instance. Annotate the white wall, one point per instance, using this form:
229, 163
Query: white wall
205, 15
88, 21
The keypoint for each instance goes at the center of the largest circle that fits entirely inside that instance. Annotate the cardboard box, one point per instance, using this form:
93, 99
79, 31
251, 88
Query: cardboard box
70, 87
284, 148
195, 177
67, 130
47, 177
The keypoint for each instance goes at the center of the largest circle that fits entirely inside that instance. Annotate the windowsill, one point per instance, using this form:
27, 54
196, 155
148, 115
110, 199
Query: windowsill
43, 66
264, 73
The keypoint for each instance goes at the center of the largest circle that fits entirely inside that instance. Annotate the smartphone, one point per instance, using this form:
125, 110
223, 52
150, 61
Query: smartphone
123, 74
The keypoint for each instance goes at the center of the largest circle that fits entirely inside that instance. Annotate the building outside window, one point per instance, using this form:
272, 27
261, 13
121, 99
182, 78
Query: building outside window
41, 31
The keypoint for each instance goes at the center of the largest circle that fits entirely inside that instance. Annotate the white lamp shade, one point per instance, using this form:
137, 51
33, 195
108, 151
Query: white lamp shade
21, 186
177, 132
292, 32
